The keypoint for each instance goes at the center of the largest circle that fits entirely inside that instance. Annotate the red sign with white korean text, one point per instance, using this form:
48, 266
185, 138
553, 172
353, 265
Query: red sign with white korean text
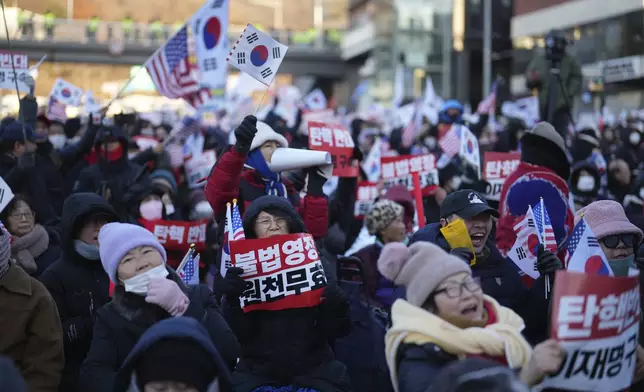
20, 60
398, 170
281, 272
178, 235
497, 166
366, 194
336, 140
596, 320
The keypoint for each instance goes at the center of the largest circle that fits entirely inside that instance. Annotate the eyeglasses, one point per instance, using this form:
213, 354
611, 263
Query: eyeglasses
19, 215
612, 241
279, 222
456, 290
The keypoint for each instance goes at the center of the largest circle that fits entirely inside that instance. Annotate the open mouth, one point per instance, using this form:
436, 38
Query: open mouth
477, 239
621, 255
470, 311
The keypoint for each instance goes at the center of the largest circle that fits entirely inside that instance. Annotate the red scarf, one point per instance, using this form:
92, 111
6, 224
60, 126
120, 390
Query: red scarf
113, 155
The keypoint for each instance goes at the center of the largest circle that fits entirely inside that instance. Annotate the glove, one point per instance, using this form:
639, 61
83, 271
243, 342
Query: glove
547, 262
233, 284
357, 154
244, 134
27, 161
462, 253
316, 182
334, 312
167, 294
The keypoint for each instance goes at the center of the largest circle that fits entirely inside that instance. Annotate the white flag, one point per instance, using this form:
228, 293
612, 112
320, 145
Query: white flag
66, 93
371, 164
523, 252
91, 106
315, 100
257, 55
210, 31
6, 194
470, 149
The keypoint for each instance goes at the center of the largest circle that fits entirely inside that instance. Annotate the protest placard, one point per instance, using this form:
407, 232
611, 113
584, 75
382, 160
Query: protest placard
8, 62
497, 166
198, 168
366, 195
337, 141
281, 272
398, 170
178, 235
596, 320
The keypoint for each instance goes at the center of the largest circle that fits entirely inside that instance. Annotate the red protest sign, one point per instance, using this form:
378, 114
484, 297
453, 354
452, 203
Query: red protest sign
366, 194
281, 272
596, 320
336, 140
398, 170
178, 235
497, 166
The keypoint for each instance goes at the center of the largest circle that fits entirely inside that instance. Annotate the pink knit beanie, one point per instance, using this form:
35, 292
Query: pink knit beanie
607, 217
420, 268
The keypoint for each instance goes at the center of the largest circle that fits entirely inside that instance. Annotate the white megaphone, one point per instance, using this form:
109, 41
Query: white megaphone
284, 159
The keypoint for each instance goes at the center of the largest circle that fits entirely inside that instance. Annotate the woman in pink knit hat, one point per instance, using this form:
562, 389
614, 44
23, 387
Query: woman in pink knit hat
617, 236
446, 317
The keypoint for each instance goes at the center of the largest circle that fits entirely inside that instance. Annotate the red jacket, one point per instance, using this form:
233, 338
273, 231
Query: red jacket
230, 180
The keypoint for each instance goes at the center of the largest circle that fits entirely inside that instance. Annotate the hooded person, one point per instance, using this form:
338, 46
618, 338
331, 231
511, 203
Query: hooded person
77, 281
542, 174
146, 291
585, 148
114, 173
446, 318
166, 181
242, 173
630, 150
30, 332
289, 347
152, 364
584, 183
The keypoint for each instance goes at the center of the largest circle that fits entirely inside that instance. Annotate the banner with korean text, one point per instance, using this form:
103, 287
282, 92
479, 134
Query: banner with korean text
337, 141
596, 320
178, 235
8, 62
366, 194
497, 166
281, 272
398, 170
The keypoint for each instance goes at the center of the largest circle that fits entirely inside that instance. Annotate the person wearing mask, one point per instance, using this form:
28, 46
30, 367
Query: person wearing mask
152, 364
242, 173
288, 347
585, 148
77, 281
585, 184
630, 151
34, 247
30, 332
167, 183
447, 317
385, 222
146, 292
114, 173
542, 174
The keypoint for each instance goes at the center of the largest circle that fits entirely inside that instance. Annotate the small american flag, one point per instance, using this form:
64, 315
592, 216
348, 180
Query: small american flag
544, 227
234, 230
237, 232
489, 103
583, 253
450, 143
189, 271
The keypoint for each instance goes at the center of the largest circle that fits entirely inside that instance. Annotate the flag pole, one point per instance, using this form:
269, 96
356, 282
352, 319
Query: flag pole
543, 237
262, 99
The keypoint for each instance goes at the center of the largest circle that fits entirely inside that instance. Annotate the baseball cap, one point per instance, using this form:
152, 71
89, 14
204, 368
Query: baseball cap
466, 204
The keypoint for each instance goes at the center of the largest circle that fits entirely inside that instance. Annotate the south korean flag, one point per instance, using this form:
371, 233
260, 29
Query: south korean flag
66, 93
257, 54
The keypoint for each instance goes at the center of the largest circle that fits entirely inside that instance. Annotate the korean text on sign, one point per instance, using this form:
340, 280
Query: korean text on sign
8, 77
497, 166
336, 140
281, 272
366, 195
178, 235
398, 170
596, 320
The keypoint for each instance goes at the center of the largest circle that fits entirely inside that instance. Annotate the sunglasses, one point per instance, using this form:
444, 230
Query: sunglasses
612, 241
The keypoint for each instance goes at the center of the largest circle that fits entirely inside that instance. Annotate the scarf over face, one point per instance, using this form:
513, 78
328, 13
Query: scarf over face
273, 181
27, 248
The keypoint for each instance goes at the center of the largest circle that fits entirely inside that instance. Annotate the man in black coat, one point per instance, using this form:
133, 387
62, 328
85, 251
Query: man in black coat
77, 281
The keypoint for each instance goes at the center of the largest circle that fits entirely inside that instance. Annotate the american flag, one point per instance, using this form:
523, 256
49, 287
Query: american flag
234, 231
188, 272
583, 253
450, 143
544, 227
489, 103
171, 71
237, 232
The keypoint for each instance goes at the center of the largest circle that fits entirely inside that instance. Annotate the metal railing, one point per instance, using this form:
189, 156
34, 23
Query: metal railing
148, 35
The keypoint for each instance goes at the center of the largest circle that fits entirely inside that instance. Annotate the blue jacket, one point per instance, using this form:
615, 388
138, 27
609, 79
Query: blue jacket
500, 280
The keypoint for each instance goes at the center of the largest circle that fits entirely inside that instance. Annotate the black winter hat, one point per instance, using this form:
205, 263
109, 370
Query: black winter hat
180, 360
272, 205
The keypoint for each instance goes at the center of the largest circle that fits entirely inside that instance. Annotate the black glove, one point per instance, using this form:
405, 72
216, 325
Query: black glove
316, 182
463, 253
244, 134
27, 161
357, 154
547, 262
334, 312
233, 284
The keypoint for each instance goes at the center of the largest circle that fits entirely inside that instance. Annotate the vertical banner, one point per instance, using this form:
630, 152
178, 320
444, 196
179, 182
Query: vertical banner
497, 167
9, 61
337, 141
398, 170
596, 320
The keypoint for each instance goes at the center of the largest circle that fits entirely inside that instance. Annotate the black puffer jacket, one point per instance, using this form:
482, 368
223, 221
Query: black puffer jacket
285, 346
78, 285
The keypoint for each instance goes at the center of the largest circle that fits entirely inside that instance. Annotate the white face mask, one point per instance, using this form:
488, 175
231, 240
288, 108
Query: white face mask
634, 138
58, 141
139, 284
586, 183
151, 210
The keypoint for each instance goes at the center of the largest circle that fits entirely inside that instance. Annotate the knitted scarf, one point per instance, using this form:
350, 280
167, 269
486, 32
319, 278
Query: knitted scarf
273, 181
414, 325
27, 248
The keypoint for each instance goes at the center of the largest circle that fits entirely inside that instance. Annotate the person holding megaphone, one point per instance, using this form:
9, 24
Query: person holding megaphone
251, 168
